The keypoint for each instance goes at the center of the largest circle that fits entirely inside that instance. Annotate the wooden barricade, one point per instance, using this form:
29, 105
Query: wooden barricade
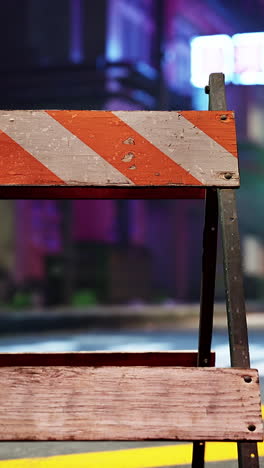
135, 396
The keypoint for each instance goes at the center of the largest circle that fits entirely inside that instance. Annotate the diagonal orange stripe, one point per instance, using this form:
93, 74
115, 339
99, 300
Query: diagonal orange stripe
210, 122
19, 167
124, 148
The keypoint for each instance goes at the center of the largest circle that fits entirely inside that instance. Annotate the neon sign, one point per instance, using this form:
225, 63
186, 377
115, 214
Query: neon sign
240, 58
249, 58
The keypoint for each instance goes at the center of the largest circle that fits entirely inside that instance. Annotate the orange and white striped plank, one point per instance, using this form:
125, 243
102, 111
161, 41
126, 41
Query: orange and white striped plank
120, 149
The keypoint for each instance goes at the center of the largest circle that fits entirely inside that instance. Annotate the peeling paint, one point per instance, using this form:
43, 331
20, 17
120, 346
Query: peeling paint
128, 157
129, 141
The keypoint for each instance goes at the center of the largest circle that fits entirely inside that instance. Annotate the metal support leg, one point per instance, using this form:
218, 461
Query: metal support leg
207, 299
237, 326
236, 313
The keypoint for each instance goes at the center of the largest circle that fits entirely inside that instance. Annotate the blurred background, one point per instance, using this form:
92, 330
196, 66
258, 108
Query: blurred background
125, 274
127, 55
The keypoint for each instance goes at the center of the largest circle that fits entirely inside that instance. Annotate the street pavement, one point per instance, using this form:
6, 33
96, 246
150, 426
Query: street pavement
117, 341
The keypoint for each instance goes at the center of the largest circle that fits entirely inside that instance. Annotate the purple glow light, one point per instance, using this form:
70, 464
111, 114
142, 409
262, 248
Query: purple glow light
76, 46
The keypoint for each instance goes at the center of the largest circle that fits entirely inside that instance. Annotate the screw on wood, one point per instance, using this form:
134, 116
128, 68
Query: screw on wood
228, 176
247, 379
223, 117
251, 427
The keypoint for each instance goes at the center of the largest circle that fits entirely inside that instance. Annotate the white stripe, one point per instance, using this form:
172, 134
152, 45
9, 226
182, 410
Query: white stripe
58, 149
185, 144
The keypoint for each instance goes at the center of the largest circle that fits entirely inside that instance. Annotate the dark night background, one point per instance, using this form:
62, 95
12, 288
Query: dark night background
122, 55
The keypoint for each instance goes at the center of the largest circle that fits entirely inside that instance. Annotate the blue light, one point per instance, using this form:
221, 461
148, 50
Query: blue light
76, 44
146, 70
143, 97
113, 50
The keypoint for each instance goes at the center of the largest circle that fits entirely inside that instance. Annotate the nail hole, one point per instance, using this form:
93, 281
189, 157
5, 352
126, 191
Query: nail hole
247, 378
251, 427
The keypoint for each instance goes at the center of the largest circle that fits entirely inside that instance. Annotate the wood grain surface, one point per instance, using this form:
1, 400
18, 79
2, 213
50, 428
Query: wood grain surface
129, 403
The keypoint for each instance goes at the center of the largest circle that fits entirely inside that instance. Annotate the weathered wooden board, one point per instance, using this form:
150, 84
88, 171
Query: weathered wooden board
129, 403
103, 358
118, 149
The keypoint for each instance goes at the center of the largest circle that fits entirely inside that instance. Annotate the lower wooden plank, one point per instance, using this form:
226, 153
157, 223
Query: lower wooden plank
129, 403
71, 193
104, 358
